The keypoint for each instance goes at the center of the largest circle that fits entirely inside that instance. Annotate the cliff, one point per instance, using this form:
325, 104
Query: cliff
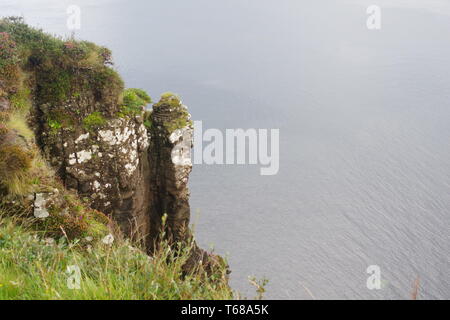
82, 156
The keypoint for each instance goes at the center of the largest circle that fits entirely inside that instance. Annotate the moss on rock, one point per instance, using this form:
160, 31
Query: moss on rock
171, 113
93, 121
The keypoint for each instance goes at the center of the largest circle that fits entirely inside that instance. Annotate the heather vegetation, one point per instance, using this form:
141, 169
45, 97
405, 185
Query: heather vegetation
33, 266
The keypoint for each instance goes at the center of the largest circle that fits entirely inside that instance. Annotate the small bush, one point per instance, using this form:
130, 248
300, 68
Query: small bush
76, 50
61, 67
54, 125
134, 100
148, 123
94, 120
55, 85
179, 113
8, 50
77, 223
172, 99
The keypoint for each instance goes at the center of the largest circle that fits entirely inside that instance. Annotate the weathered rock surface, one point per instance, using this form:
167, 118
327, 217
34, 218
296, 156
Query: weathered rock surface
134, 174
170, 166
108, 166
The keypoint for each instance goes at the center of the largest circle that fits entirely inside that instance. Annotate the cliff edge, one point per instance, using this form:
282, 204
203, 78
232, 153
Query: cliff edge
82, 155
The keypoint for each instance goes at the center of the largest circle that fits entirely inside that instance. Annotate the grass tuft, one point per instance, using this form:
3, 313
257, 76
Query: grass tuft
35, 267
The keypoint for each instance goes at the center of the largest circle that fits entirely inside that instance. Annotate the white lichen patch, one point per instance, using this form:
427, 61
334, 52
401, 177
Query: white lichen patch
84, 155
107, 136
176, 135
96, 185
109, 239
40, 210
80, 157
130, 168
181, 157
181, 152
118, 135
122, 141
142, 140
82, 137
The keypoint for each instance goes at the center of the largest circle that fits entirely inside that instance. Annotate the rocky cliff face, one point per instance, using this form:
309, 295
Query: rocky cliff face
108, 166
135, 174
117, 158
171, 140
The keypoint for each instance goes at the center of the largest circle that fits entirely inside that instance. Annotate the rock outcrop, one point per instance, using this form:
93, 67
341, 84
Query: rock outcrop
133, 173
108, 166
117, 158
171, 140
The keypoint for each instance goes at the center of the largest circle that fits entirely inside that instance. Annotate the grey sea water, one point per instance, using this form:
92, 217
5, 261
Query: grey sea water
364, 119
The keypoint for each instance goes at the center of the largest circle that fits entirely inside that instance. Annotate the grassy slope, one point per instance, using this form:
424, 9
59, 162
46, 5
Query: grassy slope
31, 267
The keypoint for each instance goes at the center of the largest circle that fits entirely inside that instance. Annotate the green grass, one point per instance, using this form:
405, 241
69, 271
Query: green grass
30, 267
133, 100
18, 122
93, 121
33, 268
21, 99
173, 101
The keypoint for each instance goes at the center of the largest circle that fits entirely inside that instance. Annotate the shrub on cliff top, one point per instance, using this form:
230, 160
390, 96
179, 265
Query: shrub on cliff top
134, 100
180, 116
169, 98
